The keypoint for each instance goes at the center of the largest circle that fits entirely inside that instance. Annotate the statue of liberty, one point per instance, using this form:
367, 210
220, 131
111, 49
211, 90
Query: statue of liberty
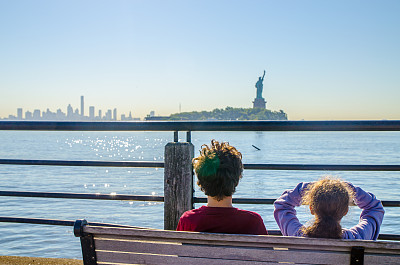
259, 86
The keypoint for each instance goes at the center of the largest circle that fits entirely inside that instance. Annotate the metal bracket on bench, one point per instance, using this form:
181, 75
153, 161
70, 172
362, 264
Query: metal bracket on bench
78, 227
87, 243
357, 256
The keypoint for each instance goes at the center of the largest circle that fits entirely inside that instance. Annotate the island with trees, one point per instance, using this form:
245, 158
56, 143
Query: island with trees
230, 113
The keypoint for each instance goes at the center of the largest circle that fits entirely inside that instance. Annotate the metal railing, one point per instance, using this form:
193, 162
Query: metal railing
375, 125
188, 126
151, 198
71, 223
150, 164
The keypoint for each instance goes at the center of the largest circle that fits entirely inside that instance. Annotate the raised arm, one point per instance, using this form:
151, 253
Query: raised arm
263, 76
371, 216
285, 213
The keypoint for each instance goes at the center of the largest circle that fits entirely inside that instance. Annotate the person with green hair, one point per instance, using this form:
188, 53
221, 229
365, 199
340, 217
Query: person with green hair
219, 169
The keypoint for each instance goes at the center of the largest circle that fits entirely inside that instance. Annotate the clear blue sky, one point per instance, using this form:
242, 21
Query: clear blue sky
324, 59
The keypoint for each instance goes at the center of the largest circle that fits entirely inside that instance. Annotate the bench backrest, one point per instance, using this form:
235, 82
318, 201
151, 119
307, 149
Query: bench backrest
110, 245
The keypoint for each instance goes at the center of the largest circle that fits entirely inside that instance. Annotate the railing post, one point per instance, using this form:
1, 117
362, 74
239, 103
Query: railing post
178, 182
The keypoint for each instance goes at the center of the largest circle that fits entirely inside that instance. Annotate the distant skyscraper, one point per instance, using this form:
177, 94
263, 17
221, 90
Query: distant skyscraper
70, 111
115, 114
91, 112
108, 115
60, 115
82, 107
19, 113
28, 115
100, 114
36, 114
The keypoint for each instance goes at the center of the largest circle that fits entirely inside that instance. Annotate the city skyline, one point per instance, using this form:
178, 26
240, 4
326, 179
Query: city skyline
71, 114
324, 60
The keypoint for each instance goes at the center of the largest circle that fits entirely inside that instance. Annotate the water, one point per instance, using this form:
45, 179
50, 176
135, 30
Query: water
276, 147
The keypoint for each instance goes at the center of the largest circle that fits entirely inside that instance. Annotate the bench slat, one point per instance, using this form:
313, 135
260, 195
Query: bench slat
268, 241
130, 258
227, 253
251, 239
381, 259
115, 258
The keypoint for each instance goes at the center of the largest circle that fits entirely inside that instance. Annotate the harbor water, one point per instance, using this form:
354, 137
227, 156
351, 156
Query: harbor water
275, 147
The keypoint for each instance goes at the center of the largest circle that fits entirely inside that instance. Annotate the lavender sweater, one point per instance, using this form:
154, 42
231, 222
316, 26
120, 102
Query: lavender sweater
367, 228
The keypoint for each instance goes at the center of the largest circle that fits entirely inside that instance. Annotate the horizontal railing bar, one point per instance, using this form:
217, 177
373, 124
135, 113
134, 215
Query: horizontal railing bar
71, 223
388, 237
124, 197
271, 201
36, 221
151, 164
42, 221
391, 203
355, 125
82, 163
91, 196
380, 237
329, 167
239, 200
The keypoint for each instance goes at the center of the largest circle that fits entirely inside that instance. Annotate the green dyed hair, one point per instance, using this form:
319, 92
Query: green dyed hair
209, 167
219, 169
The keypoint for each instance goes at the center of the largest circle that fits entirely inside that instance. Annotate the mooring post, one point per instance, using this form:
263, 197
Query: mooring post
178, 182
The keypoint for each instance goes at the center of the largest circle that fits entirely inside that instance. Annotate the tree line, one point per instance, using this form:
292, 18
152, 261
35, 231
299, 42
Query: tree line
230, 113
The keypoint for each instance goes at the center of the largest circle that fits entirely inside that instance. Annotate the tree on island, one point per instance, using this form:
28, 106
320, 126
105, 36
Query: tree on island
230, 113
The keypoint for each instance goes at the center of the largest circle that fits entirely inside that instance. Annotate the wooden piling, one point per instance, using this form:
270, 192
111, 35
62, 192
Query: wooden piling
178, 182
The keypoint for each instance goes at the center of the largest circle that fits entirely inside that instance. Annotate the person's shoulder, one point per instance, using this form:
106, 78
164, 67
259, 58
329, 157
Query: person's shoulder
193, 212
254, 222
249, 213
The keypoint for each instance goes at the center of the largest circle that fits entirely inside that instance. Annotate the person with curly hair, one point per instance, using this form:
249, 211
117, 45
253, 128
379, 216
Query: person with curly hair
219, 169
328, 200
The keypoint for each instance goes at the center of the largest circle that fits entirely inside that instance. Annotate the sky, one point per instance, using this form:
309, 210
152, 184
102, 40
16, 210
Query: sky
324, 60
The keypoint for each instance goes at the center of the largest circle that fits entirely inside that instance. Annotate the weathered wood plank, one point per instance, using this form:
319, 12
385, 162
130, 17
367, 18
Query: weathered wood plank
116, 258
209, 238
129, 258
226, 252
373, 259
178, 182
140, 259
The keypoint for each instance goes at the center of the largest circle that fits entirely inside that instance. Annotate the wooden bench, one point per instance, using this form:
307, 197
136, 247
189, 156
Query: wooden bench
118, 245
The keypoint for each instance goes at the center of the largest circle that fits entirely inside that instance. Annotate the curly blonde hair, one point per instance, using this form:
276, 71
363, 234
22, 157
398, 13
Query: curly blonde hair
329, 200
219, 169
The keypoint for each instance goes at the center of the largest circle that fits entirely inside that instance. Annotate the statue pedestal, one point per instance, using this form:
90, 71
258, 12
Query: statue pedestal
259, 103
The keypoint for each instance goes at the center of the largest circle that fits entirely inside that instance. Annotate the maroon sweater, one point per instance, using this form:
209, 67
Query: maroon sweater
222, 220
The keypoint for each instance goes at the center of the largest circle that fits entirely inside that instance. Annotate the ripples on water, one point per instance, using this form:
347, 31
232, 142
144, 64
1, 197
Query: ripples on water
276, 147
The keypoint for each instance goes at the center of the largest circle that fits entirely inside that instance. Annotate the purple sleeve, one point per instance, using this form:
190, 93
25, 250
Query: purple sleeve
284, 212
370, 219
